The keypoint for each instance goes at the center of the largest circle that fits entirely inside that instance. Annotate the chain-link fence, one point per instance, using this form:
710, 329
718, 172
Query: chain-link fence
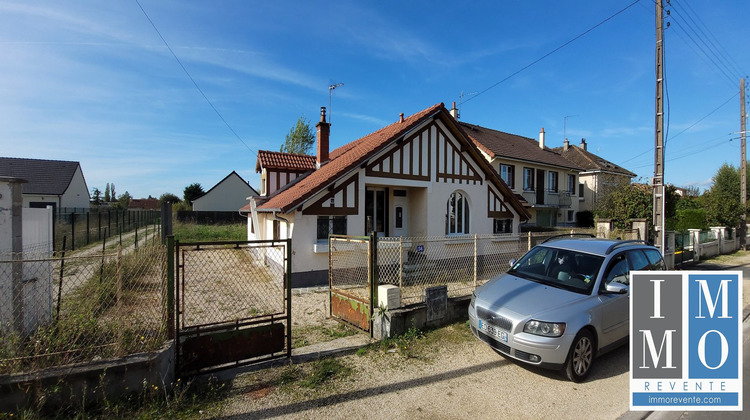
57, 310
460, 262
349, 262
225, 283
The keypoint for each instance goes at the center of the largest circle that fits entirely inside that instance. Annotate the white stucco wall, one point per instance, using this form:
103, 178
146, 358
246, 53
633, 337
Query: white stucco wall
77, 194
229, 195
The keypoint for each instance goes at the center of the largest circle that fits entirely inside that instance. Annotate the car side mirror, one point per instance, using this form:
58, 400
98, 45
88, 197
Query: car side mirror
617, 288
512, 262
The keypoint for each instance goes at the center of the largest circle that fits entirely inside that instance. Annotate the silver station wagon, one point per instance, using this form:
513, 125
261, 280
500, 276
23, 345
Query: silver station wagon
564, 303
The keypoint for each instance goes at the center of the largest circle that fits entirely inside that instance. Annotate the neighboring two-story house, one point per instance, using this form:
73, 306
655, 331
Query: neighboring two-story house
598, 176
420, 176
546, 181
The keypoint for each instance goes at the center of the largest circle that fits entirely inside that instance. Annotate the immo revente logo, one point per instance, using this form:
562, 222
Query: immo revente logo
686, 340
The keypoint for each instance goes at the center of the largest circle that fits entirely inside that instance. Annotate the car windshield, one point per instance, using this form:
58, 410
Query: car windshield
572, 270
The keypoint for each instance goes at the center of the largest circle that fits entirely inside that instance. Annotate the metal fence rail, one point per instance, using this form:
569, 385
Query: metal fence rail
60, 310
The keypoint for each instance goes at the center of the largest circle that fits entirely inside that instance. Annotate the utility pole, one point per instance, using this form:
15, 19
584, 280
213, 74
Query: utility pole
743, 167
658, 183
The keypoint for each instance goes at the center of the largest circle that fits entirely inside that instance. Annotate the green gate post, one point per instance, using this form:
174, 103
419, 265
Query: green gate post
289, 297
374, 280
170, 306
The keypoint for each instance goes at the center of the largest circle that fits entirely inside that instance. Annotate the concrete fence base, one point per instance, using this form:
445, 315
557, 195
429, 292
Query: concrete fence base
88, 383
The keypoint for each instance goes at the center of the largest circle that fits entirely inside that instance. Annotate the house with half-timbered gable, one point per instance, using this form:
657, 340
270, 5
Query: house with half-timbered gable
420, 176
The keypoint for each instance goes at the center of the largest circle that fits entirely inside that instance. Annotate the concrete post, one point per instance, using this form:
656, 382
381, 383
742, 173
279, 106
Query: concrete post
695, 239
640, 225
720, 232
603, 227
11, 242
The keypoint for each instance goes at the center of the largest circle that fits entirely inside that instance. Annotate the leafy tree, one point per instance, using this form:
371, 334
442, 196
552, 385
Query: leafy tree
722, 202
96, 196
192, 192
168, 198
631, 201
107, 195
300, 139
112, 191
123, 201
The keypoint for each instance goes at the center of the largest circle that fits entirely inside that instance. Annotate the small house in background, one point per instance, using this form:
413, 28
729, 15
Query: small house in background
419, 177
229, 194
58, 183
598, 176
144, 203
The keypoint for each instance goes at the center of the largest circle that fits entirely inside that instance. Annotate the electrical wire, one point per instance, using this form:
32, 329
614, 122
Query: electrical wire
221, 117
553, 51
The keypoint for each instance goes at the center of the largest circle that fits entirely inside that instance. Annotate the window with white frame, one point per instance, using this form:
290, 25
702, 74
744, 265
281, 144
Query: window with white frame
457, 214
528, 179
571, 215
571, 184
552, 181
580, 190
507, 174
330, 225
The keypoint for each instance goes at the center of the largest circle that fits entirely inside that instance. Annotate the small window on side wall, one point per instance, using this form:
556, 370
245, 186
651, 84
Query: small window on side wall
330, 225
502, 226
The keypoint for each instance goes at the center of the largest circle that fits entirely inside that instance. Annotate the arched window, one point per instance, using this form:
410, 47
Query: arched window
457, 215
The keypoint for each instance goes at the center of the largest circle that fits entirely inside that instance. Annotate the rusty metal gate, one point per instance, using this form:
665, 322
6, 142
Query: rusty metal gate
233, 304
353, 279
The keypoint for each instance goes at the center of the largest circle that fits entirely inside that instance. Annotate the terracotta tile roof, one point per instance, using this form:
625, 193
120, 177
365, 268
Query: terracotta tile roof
505, 145
351, 155
590, 161
342, 160
144, 203
44, 176
279, 160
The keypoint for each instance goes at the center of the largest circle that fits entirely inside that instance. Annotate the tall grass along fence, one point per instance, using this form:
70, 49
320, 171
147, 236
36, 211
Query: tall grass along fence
58, 309
82, 227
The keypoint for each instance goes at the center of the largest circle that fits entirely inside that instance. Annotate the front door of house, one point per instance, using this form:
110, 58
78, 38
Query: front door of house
400, 213
375, 210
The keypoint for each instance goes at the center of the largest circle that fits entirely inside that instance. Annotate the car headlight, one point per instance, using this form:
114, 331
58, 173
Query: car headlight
546, 329
473, 298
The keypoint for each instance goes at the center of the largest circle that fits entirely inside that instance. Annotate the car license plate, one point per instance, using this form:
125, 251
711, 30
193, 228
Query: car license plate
493, 331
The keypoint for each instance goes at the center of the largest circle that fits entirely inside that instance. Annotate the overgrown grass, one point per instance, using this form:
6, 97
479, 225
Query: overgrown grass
191, 232
418, 344
186, 400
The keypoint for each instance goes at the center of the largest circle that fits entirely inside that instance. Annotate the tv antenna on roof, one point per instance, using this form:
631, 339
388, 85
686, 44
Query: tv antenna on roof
461, 99
331, 88
565, 126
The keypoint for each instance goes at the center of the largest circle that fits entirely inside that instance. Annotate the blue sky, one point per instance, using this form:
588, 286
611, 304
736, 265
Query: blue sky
93, 82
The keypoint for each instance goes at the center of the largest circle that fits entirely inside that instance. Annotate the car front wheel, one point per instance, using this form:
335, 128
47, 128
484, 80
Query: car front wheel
581, 357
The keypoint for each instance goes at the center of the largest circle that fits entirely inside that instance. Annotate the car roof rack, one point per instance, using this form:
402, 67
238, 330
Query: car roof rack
626, 242
569, 235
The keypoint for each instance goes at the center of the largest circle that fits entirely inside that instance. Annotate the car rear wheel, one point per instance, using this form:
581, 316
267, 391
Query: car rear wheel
581, 357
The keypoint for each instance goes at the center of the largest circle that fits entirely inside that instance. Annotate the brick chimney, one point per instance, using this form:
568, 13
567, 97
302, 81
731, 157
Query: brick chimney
566, 144
324, 130
454, 111
541, 139
583, 144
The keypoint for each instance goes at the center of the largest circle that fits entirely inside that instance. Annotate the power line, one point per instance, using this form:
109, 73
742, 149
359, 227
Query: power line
686, 129
191, 78
554, 51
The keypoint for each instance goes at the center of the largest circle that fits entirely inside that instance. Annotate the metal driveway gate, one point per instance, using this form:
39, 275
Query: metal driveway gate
352, 273
233, 304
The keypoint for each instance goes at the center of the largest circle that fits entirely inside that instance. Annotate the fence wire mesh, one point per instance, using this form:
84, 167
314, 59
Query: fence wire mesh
349, 262
459, 262
57, 309
229, 283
